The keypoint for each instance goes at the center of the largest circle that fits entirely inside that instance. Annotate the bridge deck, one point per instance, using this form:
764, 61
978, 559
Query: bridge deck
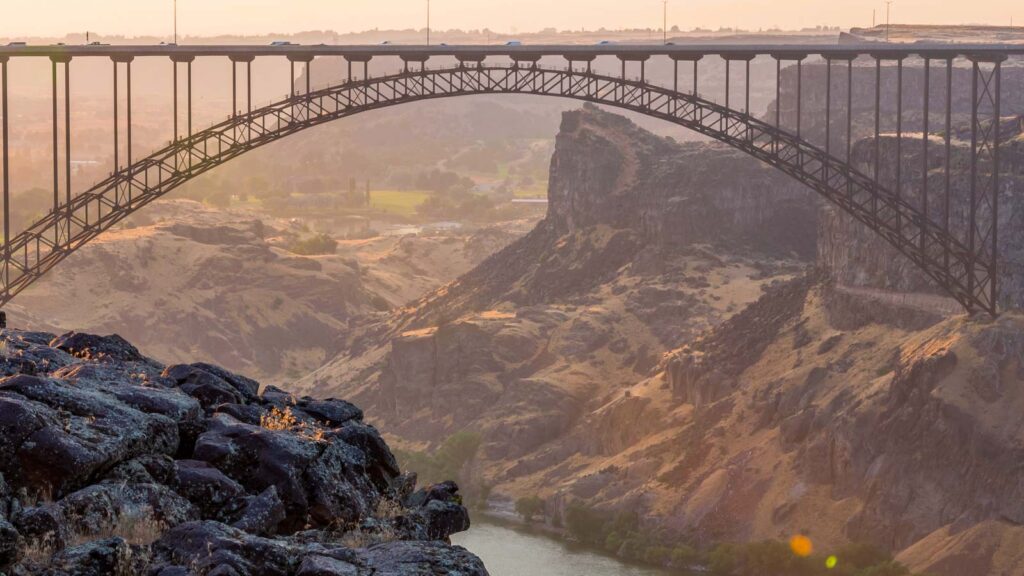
680, 51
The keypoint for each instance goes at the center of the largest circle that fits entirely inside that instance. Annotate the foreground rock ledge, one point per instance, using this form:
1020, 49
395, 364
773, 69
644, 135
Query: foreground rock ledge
111, 463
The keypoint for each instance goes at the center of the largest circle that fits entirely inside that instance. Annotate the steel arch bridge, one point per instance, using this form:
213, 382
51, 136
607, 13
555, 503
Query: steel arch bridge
965, 265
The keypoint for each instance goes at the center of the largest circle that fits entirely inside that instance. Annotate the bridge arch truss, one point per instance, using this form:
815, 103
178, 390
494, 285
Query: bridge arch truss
964, 265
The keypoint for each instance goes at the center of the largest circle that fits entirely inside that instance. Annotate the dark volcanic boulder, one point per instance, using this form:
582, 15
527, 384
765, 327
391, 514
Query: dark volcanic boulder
206, 487
332, 412
335, 480
437, 512
102, 348
100, 508
262, 514
211, 547
110, 557
10, 544
112, 465
213, 385
414, 558
57, 437
259, 458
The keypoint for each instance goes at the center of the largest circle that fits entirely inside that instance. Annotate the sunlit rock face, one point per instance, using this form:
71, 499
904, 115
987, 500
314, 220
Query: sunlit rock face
607, 171
111, 463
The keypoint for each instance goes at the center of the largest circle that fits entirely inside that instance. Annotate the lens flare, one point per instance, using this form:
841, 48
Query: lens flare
831, 562
801, 545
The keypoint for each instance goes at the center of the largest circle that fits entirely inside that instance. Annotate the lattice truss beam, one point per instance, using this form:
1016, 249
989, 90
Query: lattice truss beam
966, 268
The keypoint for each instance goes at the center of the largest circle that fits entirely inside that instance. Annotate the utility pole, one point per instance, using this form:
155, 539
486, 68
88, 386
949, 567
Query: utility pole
428, 22
175, 22
664, 22
888, 4
873, 17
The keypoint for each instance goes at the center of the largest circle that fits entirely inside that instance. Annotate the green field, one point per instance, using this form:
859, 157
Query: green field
397, 201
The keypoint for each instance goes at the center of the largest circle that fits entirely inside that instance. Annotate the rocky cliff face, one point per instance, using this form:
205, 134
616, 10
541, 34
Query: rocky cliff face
607, 171
588, 301
857, 257
111, 463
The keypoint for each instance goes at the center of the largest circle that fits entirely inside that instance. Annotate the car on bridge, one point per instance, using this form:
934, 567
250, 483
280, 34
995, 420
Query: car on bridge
513, 43
281, 43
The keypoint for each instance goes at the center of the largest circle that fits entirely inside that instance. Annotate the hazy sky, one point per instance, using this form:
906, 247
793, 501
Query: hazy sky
206, 17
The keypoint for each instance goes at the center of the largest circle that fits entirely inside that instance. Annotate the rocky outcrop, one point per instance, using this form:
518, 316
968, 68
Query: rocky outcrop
111, 463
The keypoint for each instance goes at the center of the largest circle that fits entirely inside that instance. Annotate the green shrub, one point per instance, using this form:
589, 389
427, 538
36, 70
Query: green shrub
613, 542
584, 524
315, 245
530, 507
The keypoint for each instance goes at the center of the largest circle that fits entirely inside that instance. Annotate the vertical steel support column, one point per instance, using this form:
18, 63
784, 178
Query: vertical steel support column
778, 92
234, 88
174, 79
188, 71
746, 105
696, 94
248, 86
309, 75
878, 131
349, 70
799, 95
925, 105
828, 108
56, 152
7, 174
849, 108
899, 141
675, 75
994, 272
972, 218
117, 128
67, 143
128, 122
291, 65
948, 163
727, 79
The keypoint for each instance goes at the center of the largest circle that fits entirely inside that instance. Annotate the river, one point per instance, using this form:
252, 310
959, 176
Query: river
508, 552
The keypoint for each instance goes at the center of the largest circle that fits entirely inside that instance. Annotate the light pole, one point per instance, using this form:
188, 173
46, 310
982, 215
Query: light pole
428, 22
664, 24
175, 22
888, 3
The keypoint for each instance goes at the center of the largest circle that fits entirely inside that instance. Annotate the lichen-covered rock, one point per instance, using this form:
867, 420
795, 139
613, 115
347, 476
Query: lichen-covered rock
109, 557
199, 547
113, 464
100, 348
262, 514
11, 544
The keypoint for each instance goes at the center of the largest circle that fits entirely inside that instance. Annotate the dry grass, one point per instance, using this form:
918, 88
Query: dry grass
279, 420
139, 528
366, 538
285, 421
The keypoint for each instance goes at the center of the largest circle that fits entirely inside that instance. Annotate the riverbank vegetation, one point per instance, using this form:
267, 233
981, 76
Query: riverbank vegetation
623, 535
